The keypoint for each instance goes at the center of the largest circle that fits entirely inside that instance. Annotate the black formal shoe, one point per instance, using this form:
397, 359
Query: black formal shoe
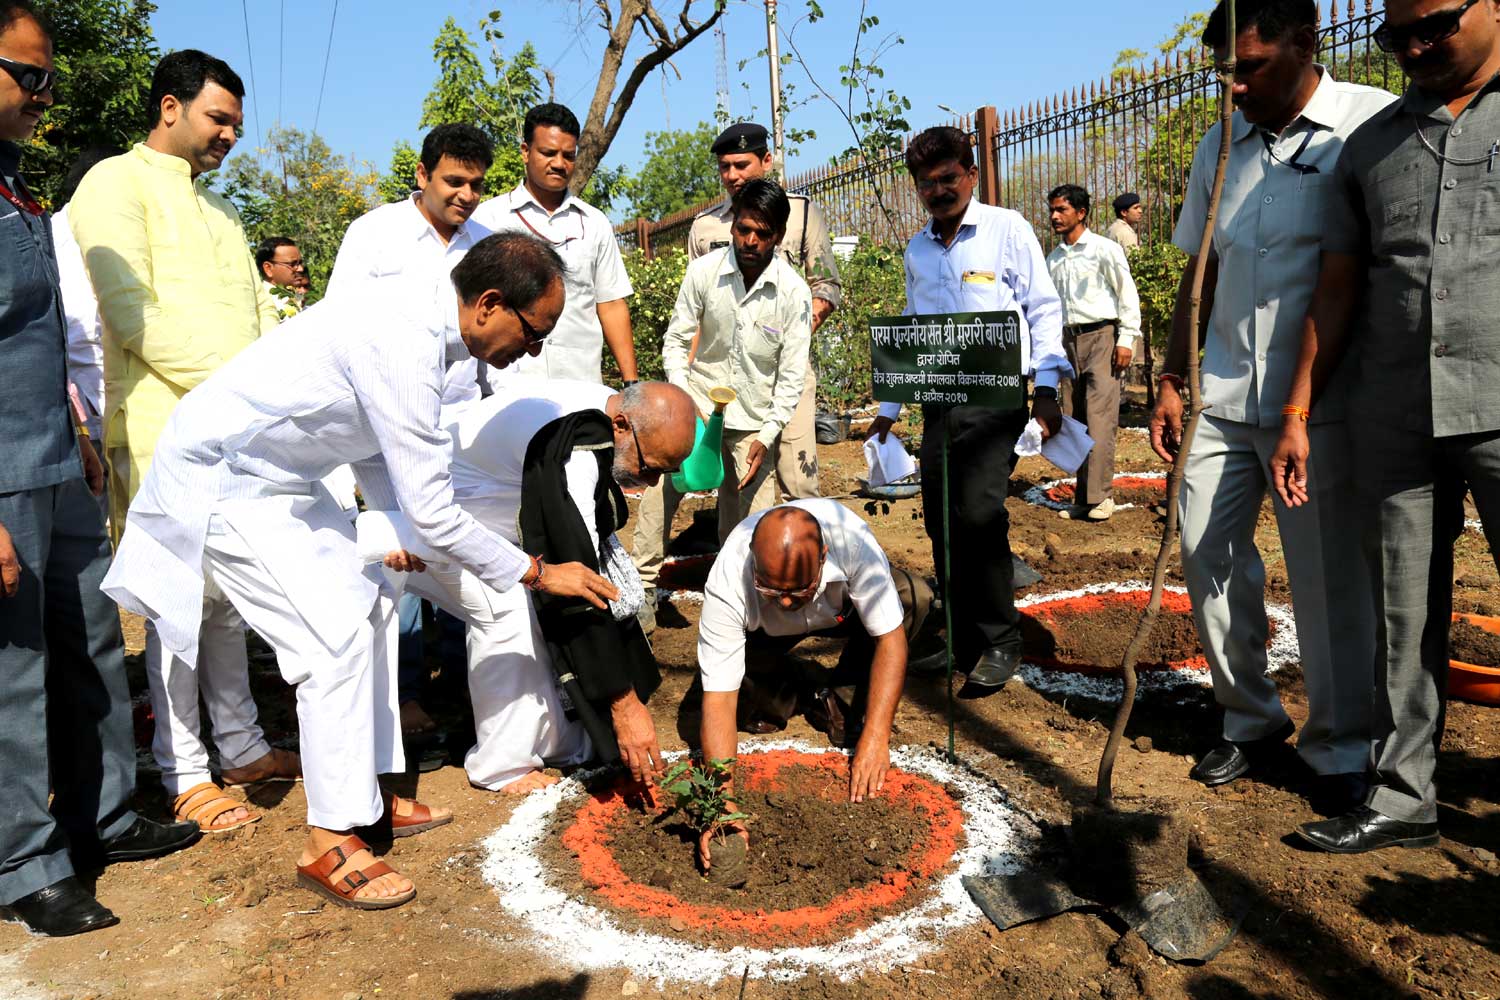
994, 667
145, 839
930, 665
1230, 760
1364, 829
1337, 794
62, 909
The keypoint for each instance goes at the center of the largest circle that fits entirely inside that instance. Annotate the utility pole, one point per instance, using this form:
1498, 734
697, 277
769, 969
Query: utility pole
773, 51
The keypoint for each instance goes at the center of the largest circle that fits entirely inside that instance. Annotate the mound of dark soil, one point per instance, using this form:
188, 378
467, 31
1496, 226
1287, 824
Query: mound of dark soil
1472, 644
1097, 638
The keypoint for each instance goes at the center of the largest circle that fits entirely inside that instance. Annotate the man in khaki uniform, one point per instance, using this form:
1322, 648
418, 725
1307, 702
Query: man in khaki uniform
743, 156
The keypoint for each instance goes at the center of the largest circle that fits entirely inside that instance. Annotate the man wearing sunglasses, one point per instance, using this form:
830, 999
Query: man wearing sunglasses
69, 771
807, 568
1407, 286
1292, 122
501, 464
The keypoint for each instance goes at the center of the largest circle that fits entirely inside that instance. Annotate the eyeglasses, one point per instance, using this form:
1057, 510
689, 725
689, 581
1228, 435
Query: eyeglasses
799, 596
646, 470
295, 265
529, 332
32, 79
948, 181
1428, 30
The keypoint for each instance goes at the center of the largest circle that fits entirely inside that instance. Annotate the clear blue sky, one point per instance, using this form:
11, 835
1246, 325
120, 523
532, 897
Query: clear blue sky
961, 55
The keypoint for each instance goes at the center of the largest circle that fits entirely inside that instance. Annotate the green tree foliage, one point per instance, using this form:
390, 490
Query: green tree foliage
495, 100
105, 53
1157, 269
679, 172
297, 187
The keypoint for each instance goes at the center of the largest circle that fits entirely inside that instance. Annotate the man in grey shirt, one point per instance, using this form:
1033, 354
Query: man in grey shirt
1407, 282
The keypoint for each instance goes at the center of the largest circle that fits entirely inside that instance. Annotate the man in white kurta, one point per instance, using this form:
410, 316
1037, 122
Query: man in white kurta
519, 717
232, 502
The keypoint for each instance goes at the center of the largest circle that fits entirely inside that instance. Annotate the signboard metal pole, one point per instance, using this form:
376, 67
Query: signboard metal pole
948, 590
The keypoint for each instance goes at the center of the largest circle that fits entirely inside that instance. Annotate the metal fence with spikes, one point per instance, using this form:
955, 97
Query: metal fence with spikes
1134, 131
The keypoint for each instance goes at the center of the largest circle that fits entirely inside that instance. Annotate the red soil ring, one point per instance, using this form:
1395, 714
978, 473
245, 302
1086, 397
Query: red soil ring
1126, 489
1057, 615
589, 837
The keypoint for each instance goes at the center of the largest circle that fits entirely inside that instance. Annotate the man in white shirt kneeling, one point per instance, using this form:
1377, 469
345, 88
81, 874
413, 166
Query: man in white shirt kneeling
807, 568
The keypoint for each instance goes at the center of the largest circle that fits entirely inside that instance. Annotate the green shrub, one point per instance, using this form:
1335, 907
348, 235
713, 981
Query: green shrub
656, 283
1157, 270
874, 283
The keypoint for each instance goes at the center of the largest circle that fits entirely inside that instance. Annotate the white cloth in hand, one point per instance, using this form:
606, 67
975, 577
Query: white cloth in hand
1066, 449
887, 460
381, 532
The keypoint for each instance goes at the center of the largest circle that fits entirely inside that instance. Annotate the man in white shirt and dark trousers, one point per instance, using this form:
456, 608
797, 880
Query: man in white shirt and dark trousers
1101, 330
973, 257
596, 312
804, 569
752, 313
233, 501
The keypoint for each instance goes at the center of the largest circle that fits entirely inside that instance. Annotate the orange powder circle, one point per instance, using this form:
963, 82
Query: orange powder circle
589, 838
1068, 492
1051, 614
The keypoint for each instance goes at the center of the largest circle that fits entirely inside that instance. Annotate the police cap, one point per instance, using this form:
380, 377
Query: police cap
741, 137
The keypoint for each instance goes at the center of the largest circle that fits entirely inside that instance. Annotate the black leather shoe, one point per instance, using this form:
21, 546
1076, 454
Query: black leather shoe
1230, 760
930, 665
1337, 794
62, 909
145, 839
1364, 829
994, 667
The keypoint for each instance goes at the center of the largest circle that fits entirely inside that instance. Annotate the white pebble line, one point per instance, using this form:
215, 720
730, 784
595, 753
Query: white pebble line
1037, 495
1282, 651
585, 938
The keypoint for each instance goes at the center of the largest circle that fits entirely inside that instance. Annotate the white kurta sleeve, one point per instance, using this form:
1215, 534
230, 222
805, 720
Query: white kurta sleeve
404, 415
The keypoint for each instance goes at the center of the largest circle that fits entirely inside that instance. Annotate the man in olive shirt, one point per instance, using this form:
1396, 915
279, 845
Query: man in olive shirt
1407, 281
743, 156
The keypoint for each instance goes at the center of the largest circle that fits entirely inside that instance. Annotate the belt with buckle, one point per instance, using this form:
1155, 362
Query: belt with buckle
1077, 328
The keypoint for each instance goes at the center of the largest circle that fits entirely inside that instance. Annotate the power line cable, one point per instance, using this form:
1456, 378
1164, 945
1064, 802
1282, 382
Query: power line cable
327, 55
250, 53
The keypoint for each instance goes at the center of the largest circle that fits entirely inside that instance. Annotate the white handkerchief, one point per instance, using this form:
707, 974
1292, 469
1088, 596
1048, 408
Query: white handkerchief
887, 460
379, 532
1066, 449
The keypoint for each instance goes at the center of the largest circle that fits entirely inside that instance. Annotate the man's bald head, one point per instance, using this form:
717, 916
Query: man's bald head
787, 551
655, 425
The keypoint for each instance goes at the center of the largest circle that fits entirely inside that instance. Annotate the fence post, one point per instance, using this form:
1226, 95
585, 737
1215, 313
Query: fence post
986, 127
643, 237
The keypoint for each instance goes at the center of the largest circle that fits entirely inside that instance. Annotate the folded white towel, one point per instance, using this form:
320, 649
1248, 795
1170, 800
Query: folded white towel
380, 532
887, 460
1066, 449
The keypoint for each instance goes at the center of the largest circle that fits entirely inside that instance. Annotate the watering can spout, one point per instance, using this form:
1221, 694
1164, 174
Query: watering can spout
703, 469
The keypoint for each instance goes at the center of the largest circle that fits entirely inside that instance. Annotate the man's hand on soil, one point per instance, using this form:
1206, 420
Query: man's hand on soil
718, 831
1166, 422
1047, 413
872, 761
574, 579
636, 734
879, 427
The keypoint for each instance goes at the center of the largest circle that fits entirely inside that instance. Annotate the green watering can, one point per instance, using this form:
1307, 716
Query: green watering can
703, 469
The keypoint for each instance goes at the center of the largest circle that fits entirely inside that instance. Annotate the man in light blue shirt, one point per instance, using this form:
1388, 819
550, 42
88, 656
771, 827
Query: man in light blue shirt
973, 257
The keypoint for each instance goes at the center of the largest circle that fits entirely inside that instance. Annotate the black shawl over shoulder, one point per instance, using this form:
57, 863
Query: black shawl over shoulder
595, 658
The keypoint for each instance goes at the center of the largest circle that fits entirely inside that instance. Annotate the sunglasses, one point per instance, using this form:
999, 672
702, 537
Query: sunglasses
529, 332
1428, 30
32, 79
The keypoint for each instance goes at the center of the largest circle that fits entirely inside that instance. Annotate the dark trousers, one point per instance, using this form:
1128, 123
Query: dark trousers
65, 721
774, 691
411, 649
981, 457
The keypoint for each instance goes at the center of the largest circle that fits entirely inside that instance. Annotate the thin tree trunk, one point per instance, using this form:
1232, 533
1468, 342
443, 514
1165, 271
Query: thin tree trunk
1104, 791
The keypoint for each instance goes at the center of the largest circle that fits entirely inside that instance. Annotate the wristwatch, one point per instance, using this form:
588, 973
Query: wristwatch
1044, 392
630, 382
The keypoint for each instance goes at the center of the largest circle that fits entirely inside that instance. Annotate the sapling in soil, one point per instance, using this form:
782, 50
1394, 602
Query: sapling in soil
700, 793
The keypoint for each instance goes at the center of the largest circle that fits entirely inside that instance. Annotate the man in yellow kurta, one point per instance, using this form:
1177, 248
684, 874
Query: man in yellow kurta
178, 296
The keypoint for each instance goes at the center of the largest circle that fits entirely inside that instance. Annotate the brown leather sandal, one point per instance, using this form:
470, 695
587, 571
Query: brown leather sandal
316, 877
393, 825
205, 803
282, 770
